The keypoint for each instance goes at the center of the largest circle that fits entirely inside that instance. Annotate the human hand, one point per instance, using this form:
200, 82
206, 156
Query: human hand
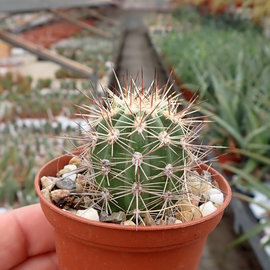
27, 240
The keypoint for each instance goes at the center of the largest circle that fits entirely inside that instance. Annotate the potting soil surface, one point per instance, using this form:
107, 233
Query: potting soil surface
49, 34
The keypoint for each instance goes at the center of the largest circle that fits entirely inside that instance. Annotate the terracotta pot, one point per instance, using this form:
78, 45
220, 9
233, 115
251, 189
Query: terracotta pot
230, 156
216, 8
238, 3
83, 244
187, 93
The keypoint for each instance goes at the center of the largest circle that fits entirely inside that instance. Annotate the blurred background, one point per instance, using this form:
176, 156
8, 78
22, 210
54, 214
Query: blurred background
217, 52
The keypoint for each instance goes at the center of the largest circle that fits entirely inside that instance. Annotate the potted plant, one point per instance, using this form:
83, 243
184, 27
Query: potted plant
140, 167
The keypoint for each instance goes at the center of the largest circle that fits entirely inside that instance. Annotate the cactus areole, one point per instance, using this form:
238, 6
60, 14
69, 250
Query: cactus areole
140, 150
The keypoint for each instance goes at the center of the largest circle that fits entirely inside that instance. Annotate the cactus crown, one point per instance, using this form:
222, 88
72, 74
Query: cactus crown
140, 151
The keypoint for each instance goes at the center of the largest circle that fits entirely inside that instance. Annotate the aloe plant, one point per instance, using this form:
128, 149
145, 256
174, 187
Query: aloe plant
230, 68
235, 85
253, 183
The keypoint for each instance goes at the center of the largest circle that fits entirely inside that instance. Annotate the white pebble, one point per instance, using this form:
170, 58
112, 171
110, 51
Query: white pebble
214, 191
217, 198
177, 221
73, 211
89, 213
207, 208
70, 168
129, 223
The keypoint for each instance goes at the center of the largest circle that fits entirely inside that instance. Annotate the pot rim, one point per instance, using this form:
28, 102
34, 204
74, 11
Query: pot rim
227, 192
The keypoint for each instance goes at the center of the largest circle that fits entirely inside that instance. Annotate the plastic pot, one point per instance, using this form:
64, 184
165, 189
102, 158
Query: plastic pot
84, 244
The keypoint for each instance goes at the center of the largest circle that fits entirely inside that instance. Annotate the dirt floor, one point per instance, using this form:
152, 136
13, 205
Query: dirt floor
137, 56
239, 258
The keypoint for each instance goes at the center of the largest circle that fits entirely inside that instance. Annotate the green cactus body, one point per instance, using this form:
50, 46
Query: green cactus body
139, 152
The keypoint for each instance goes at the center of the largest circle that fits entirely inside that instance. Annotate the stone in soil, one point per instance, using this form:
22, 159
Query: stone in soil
89, 213
47, 182
187, 208
66, 183
161, 222
117, 217
58, 194
207, 208
47, 194
216, 196
198, 187
171, 220
76, 161
186, 205
148, 220
81, 183
207, 176
177, 221
67, 169
128, 223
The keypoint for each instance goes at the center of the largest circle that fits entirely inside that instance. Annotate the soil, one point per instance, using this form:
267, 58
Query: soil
49, 34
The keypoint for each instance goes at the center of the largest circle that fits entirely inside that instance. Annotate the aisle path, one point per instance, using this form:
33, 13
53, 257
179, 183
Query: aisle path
137, 55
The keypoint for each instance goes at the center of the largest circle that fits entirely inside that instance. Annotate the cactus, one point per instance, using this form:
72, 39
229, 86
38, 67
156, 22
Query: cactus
140, 150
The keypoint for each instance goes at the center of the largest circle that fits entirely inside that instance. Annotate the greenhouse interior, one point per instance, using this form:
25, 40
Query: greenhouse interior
147, 123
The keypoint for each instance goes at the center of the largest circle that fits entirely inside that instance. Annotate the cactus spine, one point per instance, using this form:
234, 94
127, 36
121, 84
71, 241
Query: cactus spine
140, 149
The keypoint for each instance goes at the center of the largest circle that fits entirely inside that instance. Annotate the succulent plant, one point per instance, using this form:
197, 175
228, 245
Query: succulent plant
141, 151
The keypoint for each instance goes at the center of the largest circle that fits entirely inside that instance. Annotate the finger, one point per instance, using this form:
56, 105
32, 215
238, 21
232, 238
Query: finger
25, 232
41, 262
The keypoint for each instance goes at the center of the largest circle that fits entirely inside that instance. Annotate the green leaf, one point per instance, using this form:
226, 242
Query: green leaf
221, 95
256, 132
252, 181
257, 229
238, 80
230, 129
